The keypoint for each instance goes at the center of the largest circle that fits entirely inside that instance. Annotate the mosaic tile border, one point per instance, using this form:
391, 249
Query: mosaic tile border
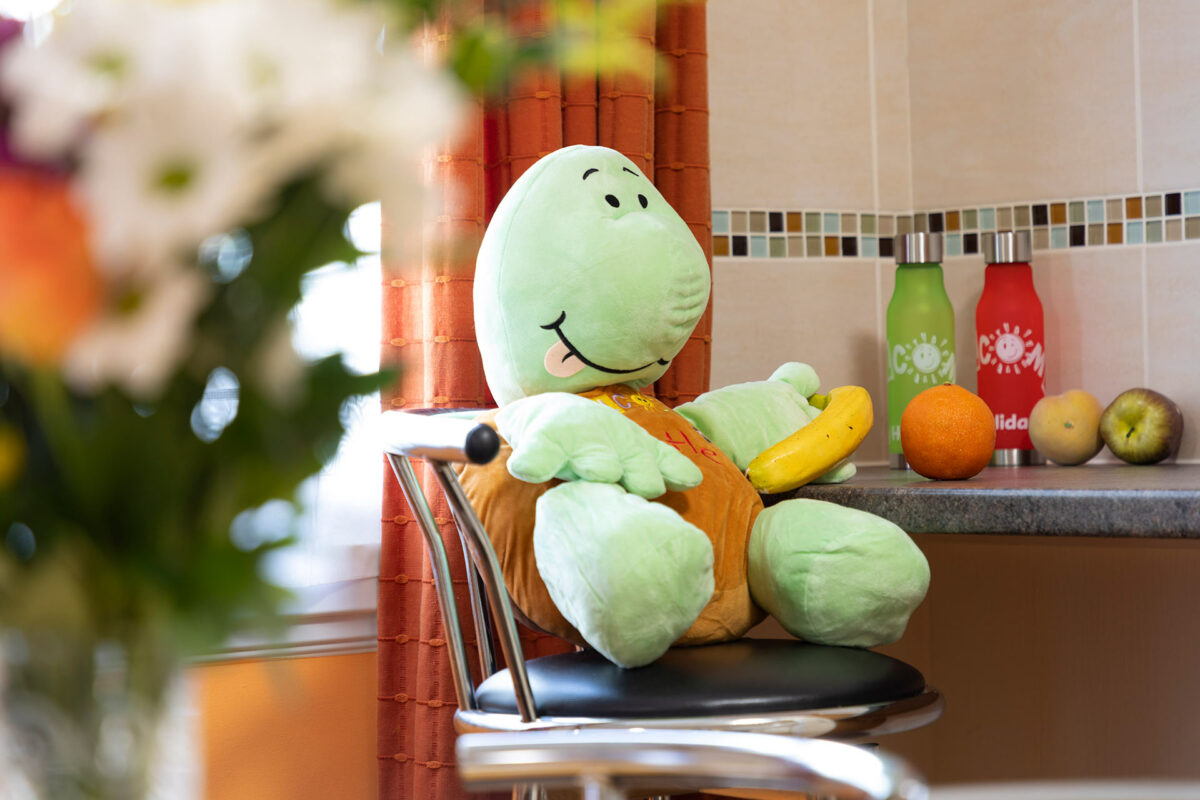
1133, 219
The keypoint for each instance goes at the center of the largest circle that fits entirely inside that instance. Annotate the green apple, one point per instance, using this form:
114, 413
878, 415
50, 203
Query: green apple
1142, 426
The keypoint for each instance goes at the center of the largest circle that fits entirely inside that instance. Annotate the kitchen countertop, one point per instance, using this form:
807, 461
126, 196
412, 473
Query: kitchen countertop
1115, 500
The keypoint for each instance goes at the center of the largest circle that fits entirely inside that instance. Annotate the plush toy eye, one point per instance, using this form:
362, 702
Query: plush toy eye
642, 200
612, 200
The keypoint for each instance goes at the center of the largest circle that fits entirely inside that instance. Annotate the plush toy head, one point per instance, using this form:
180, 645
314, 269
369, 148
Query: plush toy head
586, 277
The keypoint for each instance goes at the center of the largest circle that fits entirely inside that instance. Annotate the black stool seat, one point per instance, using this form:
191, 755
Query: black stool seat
747, 676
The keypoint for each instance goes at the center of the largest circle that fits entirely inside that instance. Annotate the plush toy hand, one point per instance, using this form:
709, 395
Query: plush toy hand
745, 419
558, 435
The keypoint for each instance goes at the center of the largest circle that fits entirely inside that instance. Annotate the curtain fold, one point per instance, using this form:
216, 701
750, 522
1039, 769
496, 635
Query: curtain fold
681, 170
429, 329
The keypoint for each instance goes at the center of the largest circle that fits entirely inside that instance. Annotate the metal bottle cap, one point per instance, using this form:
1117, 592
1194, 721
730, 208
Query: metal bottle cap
918, 248
1007, 247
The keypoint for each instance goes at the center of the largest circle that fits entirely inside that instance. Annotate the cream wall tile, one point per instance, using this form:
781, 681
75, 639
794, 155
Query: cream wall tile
1170, 85
1021, 100
767, 312
890, 41
1093, 305
1173, 291
790, 104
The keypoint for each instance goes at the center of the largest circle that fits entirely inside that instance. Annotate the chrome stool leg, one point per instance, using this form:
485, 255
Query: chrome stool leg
591, 788
600, 787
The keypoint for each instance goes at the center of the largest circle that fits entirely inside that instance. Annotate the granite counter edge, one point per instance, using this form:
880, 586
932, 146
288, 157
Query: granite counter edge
1036, 512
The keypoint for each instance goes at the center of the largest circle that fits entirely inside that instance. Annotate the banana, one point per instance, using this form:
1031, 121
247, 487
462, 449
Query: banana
814, 449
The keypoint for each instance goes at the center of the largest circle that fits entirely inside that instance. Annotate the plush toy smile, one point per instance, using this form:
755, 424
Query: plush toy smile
563, 359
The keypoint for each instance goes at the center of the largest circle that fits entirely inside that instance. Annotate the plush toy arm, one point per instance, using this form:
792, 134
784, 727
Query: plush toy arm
558, 435
744, 419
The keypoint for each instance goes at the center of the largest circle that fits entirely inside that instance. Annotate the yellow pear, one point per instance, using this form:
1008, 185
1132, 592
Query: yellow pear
1065, 428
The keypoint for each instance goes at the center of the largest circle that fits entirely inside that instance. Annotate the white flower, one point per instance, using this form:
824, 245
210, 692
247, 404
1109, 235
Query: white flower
411, 108
156, 182
97, 55
320, 88
279, 58
194, 112
139, 348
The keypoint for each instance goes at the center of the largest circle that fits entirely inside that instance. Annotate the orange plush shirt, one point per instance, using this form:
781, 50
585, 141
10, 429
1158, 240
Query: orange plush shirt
724, 506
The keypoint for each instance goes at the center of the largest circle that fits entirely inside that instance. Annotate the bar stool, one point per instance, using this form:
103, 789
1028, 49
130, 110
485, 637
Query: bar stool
749, 687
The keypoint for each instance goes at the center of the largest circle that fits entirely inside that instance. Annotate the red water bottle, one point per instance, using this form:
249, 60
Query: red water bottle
1010, 358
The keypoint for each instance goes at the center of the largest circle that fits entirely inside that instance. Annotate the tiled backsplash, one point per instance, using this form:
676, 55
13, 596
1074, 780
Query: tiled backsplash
1053, 225
836, 125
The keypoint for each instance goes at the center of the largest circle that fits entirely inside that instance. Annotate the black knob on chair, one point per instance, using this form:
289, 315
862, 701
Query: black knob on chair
481, 445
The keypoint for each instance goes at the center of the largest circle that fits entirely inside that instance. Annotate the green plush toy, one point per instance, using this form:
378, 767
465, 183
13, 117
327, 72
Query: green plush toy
620, 523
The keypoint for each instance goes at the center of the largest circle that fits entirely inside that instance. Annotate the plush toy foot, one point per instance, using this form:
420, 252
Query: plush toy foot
835, 575
630, 575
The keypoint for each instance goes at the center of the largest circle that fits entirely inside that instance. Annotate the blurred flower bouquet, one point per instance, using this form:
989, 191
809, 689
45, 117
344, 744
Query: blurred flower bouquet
168, 173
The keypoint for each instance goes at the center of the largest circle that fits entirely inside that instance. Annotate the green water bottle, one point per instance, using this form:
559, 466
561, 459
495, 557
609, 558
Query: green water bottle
920, 330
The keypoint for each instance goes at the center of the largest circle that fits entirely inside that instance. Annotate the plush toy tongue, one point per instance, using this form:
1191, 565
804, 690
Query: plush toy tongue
561, 362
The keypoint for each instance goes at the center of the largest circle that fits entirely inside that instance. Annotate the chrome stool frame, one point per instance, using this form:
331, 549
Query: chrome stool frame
610, 764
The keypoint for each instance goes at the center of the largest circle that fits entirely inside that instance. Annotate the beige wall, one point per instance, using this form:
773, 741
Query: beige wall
900, 105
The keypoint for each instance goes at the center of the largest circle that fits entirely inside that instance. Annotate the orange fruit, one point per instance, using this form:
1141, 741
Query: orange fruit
947, 433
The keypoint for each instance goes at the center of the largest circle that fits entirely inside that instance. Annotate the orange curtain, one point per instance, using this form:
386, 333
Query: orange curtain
429, 330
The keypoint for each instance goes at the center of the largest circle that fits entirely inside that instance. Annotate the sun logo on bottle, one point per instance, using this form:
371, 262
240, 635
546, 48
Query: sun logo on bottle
1010, 351
926, 359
